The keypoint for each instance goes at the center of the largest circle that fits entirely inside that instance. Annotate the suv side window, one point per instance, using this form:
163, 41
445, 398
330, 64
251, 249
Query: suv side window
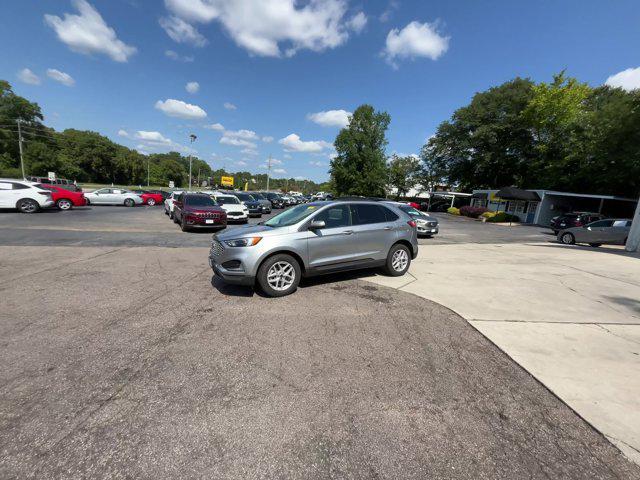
336, 216
366, 214
20, 186
390, 216
601, 223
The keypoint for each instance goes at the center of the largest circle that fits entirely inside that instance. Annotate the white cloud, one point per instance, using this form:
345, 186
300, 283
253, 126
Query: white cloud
279, 170
331, 118
357, 22
229, 106
27, 76
237, 142
244, 134
179, 58
267, 139
192, 87
628, 79
299, 178
241, 163
275, 161
88, 33
63, 78
287, 156
182, 32
388, 13
317, 163
293, 143
155, 141
153, 137
267, 27
180, 109
123, 133
218, 127
415, 40
249, 151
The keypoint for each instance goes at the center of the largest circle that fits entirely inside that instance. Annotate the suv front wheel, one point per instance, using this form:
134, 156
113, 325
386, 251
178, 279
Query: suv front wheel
398, 260
279, 275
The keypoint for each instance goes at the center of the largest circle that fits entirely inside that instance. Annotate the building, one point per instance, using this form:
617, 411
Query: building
543, 205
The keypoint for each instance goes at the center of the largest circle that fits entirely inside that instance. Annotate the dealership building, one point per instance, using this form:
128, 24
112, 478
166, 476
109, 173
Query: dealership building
540, 206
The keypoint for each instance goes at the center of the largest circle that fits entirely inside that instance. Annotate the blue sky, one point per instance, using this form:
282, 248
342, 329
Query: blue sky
106, 67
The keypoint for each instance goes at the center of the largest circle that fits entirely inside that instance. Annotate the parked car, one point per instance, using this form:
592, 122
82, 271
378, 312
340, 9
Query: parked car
198, 210
313, 239
113, 196
263, 201
64, 199
236, 210
603, 232
169, 203
275, 199
164, 193
573, 219
26, 197
255, 209
426, 225
149, 198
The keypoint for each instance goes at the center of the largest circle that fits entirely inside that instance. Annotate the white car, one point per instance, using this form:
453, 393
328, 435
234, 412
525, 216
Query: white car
236, 210
113, 196
26, 197
169, 203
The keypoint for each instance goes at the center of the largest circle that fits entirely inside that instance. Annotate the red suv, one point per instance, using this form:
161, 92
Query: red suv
198, 210
64, 199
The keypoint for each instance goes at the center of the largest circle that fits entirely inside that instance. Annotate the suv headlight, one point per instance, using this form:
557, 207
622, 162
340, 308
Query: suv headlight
243, 242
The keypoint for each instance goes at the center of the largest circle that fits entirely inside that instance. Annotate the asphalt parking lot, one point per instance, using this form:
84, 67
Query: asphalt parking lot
124, 358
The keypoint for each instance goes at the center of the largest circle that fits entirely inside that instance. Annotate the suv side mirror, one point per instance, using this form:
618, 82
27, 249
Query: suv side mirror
317, 225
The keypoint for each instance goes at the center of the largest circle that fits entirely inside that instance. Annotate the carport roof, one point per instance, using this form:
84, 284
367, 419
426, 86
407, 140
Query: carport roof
513, 193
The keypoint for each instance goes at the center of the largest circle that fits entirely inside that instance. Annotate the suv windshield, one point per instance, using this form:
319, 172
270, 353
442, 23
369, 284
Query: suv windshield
291, 216
271, 196
227, 200
199, 201
257, 196
245, 197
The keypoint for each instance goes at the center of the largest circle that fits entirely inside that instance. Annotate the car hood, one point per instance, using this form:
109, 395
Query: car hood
232, 207
203, 209
250, 230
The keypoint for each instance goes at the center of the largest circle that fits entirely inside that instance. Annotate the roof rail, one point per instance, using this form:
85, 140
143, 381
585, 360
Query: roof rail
355, 197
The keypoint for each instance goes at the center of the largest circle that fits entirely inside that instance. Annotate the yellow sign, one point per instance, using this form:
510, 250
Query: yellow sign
493, 198
227, 181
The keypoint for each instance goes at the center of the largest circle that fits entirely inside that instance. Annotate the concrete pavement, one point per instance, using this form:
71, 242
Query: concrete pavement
569, 315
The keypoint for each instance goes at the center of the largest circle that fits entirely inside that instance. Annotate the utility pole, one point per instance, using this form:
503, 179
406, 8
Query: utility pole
268, 172
148, 169
633, 240
192, 137
20, 146
198, 177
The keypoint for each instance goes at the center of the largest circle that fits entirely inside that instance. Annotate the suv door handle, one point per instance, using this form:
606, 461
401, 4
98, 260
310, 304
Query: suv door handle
348, 232
387, 228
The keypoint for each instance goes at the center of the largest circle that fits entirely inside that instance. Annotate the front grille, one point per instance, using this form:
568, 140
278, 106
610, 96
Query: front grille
217, 248
207, 214
234, 214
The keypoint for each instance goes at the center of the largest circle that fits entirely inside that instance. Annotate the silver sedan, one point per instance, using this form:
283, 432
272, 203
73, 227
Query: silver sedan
611, 231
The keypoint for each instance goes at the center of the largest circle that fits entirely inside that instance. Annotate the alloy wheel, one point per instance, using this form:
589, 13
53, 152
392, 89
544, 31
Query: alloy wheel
281, 276
64, 204
400, 260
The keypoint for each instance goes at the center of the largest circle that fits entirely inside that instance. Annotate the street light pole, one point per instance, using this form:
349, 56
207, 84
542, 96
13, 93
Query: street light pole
268, 172
633, 240
192, 137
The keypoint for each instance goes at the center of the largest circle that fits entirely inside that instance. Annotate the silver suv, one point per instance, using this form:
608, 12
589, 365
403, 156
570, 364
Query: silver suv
312, 239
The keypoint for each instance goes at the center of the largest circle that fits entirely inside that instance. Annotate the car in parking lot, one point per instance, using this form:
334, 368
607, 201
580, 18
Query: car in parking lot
113, 196
275, 199
573, 219
426, 225
312, 239
255, 209
24, 196
198, 210
63, 198
169, 202
612, 231
149, 198
262, 200
236, 210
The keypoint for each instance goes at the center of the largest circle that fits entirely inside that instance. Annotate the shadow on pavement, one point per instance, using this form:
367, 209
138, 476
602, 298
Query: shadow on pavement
632, 303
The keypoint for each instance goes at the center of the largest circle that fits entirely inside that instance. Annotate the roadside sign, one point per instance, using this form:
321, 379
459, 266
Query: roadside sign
227, 181
171, 184
52, 176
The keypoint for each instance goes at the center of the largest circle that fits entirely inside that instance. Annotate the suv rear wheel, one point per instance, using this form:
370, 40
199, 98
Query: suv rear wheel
567, 238
279, 275
398, 260
27, 205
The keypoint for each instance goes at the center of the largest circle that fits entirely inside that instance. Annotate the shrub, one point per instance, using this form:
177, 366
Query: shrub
488, 215
503, 217
473, 212
453, 211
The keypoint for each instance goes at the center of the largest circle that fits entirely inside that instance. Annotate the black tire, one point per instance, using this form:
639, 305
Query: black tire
595, 245
171, 215
567, 238
174, 218
128, 202
183, 226
270, 262
397, 262
64, 204
27, 205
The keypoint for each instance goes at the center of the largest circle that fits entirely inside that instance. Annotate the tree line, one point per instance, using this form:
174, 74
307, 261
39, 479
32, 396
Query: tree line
561, 135
89, 157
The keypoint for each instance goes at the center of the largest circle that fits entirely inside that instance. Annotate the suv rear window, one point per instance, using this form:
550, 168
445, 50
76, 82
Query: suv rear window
365, 214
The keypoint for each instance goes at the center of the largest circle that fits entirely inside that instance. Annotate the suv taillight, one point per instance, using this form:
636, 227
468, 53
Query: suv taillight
411, 223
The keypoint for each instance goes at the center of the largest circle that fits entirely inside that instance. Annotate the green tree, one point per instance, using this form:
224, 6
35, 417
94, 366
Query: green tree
359, 167
403, 174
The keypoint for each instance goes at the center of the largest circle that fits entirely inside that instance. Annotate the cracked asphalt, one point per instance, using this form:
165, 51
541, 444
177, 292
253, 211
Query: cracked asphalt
127, 359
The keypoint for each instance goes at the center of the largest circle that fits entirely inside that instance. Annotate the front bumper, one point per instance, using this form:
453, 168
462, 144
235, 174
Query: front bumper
233, 264
425, 229
237, 218
47, 204
193, 221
